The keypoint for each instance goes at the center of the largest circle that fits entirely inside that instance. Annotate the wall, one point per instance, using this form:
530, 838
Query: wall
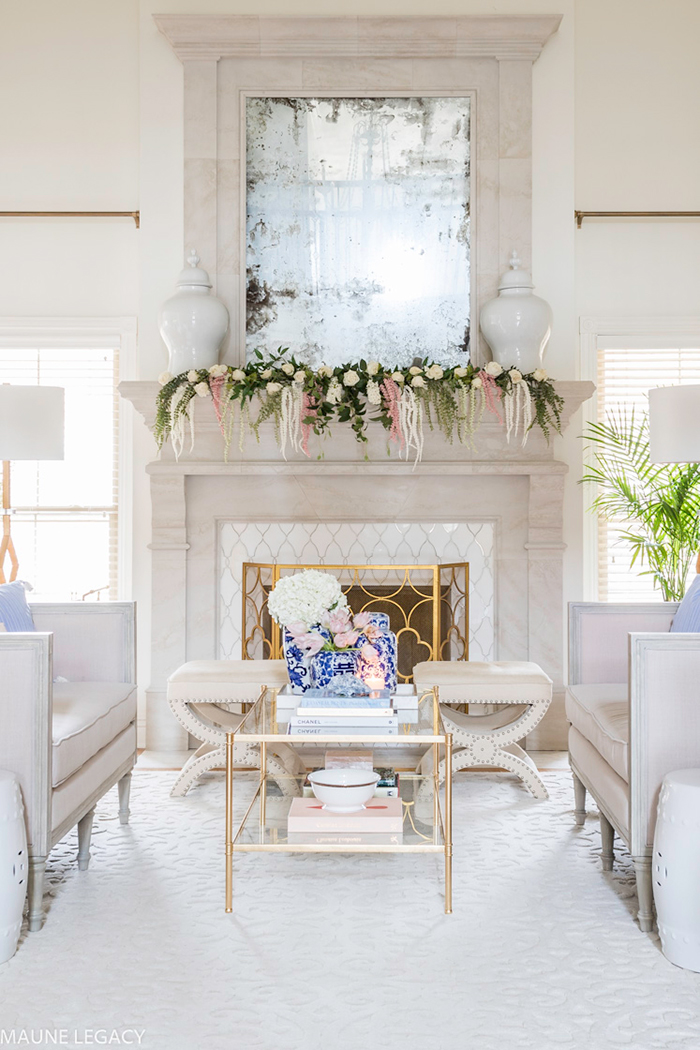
637, 148
84, 78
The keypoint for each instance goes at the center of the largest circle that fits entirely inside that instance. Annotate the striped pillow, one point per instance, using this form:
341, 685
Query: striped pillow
15, 614
688, 616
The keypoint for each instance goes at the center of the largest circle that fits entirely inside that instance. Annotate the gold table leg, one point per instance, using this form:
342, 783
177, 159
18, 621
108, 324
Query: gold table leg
263, 782
448, 824
229, 822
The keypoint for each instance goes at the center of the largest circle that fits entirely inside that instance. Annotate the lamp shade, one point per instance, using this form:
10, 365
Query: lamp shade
31, 422
674, 424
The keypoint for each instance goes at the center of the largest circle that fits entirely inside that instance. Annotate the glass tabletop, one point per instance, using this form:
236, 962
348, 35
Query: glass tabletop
270, 720
264, 826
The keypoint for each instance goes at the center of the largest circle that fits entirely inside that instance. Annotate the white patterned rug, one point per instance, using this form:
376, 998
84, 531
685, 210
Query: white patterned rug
348, 952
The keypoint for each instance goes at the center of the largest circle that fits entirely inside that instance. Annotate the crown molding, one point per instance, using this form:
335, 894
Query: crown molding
211, 37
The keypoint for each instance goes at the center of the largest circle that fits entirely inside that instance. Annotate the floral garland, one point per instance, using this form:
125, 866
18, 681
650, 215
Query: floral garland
303, 401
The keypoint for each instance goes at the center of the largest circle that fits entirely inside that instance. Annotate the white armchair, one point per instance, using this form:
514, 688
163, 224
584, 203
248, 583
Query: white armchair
633, 704
68, 742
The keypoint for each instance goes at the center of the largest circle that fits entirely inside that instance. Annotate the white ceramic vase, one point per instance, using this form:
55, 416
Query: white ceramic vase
14, 866
517, 324
193, 323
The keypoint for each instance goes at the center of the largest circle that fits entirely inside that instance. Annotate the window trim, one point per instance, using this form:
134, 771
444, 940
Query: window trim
594, 334
94, 332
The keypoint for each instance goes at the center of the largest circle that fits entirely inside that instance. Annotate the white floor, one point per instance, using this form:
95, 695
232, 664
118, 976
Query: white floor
348, 952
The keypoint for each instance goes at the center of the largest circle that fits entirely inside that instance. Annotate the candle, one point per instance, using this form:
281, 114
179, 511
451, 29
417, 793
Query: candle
375, 682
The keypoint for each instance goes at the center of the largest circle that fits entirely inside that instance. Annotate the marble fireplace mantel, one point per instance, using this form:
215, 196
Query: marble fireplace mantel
519, 490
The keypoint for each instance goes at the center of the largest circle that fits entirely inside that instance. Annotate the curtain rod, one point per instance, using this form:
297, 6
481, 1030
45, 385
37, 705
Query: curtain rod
581, 215
135, 215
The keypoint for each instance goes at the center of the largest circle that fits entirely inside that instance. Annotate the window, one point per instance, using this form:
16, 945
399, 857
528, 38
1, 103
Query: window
624, 379
71, 520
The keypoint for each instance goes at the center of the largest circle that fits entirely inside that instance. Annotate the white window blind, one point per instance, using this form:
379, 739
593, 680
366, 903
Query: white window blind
65, 520
625, 377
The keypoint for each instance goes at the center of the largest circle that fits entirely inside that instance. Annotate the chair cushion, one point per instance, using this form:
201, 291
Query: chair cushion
15, 614
100, 771
609, 790
688, 616
601, 715
86, 717
201, 681
478, 682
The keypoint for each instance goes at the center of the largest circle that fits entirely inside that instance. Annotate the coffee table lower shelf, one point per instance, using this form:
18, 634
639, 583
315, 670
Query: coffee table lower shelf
427, 825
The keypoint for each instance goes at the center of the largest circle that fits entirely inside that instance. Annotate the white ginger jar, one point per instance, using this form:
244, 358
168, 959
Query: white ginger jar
193, 323
517, 324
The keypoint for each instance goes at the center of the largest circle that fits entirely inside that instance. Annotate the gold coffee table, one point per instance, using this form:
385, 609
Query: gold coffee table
427, 818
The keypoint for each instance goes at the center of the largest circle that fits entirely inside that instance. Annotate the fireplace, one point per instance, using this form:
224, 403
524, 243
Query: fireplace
204, 507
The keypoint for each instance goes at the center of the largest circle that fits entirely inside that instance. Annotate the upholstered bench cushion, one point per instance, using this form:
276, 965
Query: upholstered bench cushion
86, 717
202, 681
601, 714
478, 682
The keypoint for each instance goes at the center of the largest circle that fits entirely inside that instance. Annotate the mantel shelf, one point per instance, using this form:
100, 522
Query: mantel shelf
343, 455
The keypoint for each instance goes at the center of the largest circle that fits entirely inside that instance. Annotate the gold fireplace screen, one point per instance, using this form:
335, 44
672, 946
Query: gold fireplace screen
427, 605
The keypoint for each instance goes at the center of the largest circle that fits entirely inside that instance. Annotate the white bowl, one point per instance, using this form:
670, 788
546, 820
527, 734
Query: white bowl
343, 790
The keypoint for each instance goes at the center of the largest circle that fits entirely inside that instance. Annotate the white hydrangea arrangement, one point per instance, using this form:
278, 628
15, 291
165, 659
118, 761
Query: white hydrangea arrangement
305, 598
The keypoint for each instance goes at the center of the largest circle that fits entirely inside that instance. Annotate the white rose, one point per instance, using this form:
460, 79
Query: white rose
477, 383
288, 368
193, 376
398, 377
266, 374
217, 370
335, 392
374, 394
515, 375
493, 369
461, 372
373, 367
238, 375
415, 370
418, 381
434, 372
165, 377
540, 375
300, 376
272, 388
202, 389
351, 378
324, 371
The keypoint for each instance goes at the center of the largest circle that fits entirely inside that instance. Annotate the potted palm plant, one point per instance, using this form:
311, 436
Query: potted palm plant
656, 503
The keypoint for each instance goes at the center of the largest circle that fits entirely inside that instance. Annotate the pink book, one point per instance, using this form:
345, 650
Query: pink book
384, 815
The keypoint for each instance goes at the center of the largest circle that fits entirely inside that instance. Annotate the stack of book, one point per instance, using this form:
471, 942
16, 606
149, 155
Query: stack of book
378, 714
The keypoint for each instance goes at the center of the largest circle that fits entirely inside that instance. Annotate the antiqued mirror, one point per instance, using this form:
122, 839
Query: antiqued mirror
358, 228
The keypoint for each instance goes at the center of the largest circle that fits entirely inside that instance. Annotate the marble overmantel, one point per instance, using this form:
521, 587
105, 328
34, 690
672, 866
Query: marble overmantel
520, 490
486, 57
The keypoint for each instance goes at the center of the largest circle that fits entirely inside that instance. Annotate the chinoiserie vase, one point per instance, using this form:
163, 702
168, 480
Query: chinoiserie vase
386, 647
193, 323
327, 665
299, 662
517, 324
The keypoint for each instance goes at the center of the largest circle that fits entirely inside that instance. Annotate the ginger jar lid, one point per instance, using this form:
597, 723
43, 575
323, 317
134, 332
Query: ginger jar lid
193, 276
515, 277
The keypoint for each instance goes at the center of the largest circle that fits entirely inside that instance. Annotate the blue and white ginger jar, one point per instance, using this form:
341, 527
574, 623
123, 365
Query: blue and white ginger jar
299, 662
327, 665
387, 650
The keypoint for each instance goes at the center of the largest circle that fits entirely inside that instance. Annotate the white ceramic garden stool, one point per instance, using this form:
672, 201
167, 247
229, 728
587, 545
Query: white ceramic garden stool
201, 693
13, 863
676, 868
514, 696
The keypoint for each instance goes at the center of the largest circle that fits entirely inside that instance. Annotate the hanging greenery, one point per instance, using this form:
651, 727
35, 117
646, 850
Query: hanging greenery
302, 401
